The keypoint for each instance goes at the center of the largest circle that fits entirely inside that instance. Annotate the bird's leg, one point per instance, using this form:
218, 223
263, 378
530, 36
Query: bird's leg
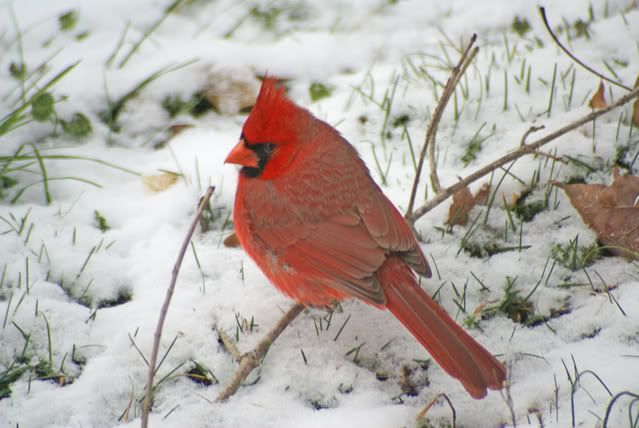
252, 359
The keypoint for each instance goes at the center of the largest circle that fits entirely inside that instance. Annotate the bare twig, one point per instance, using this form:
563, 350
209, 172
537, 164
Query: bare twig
542, 11
539, 152
146, 406
429, 142
516, 154
552, 157
422, 413
528, 132
467, 60
229, 345
252, 359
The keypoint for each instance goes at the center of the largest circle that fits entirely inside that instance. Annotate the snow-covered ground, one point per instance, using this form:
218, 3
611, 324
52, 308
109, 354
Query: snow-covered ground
81, 304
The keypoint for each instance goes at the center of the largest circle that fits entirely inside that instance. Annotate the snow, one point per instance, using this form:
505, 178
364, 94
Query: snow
60, 270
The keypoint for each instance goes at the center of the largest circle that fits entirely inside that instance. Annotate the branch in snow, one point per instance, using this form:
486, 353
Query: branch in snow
542, 11
252, 359
230, 345
524, 149
429, 143
165, 307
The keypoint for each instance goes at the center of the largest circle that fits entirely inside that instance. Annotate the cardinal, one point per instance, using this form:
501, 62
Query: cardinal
311, 217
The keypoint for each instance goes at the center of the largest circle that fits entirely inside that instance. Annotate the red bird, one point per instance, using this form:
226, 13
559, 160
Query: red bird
310, 215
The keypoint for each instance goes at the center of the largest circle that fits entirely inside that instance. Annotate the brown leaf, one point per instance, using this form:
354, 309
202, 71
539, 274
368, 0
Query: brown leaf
611, 211
626, 189
231, 91
178, 128
463, 202
161, 182
598, 101
231, 241
635, 106
481, 197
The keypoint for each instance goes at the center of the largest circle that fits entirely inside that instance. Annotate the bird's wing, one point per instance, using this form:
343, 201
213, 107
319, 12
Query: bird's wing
346, 250
339, 253
389, 229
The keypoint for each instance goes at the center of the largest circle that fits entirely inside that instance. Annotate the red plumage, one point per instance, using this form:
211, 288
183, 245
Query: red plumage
310, 215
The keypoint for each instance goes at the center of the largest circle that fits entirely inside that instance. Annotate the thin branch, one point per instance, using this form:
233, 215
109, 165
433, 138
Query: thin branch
528, 132
146, 406
521, 151
434, 179
429, 141
542, 11
552, 157
252, 359
229, 345
539, 152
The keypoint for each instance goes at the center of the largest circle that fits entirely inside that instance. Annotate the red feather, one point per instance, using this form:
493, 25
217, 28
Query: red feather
321, 230
454, 349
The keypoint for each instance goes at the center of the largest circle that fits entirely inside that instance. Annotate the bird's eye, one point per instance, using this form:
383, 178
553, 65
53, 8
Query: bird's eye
269, 147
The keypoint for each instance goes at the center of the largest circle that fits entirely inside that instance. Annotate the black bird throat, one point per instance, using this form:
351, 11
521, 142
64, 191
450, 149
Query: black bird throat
263, 152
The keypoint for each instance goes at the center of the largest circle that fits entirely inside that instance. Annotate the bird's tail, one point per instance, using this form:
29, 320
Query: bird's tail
455, 350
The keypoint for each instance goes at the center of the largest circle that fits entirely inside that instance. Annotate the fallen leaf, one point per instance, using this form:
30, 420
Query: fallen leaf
481, 197
231, 91
463, 202
161, 182
635, 106
611, 211
626, 189
598, 101
178, 128
231, 241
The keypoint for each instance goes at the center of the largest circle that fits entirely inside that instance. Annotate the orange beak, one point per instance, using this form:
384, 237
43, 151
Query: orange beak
240, 155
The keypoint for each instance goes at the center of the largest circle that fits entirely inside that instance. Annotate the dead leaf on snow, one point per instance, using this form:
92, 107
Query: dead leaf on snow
481, 197
160, 182
463, 202
231, 91
598, 101
611, 211
178, 128
231, 241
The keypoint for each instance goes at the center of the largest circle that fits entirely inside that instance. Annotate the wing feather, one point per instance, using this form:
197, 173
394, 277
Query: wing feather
339, 253
389, 229
346, 250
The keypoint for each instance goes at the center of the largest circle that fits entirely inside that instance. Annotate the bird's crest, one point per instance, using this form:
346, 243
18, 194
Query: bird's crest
271, 96
272, 114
